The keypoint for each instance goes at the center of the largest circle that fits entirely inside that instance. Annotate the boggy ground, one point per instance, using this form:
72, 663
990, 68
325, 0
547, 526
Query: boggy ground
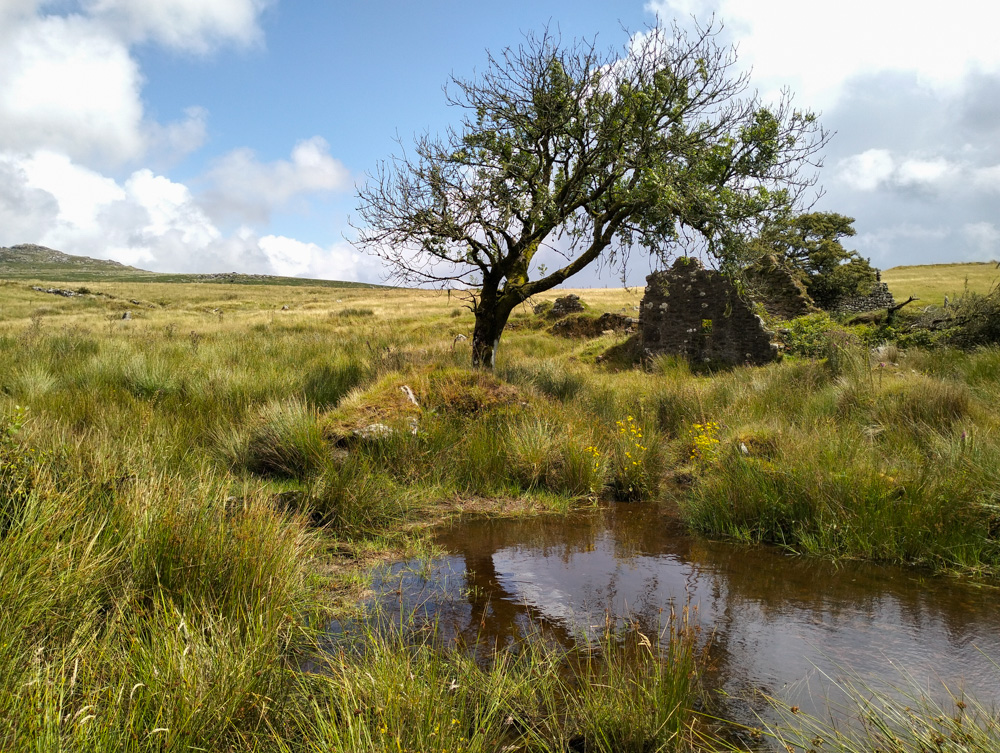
185, 499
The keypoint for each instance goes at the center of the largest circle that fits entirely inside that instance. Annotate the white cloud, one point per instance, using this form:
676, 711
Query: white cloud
179, 138
292, 258
69, 81
71, 110
241, 186
148, 221
66, 84
191, 25
878, 168
900, 244
25, 211
987, 178
78, 191
924, 172
816, 49
866, 171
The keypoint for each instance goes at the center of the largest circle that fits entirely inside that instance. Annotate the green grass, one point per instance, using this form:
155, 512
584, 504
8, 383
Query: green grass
932, 282
180, 492
385, 688
904, 720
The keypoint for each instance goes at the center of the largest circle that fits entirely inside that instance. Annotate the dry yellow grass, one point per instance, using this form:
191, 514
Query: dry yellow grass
193, 306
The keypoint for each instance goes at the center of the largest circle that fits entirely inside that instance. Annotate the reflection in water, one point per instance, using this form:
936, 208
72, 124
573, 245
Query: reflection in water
778, 624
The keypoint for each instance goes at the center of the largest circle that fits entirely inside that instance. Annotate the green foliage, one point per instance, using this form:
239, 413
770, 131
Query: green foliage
168, 544
356, 498
326, 384
390, 688
811, 243
356, 312
634, 461
856, 479
903, 719
605, 151
704, 444
807, 335
285, 439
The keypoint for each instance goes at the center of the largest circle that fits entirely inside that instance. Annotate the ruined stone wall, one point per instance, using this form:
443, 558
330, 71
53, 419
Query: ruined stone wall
781, 293
879, 298
696, 312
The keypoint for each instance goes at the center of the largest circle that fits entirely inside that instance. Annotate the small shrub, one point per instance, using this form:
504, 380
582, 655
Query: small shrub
636, 695
634, 466
673, 409
534, 456
480, 461
704, 444
356, 498
807, 335
846, 355
974, 320
581, 472
150, 377
196, 550
920, 401
32, 381
549, 377
16, 464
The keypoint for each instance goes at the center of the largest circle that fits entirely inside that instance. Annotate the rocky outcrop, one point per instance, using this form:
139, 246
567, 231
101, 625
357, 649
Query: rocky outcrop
29, 253
697, 313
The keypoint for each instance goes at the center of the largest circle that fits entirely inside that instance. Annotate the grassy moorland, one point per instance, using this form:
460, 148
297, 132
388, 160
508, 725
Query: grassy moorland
932, 282
186, 494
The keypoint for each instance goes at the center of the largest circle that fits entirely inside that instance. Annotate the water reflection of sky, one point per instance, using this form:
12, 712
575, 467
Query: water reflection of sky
784, 625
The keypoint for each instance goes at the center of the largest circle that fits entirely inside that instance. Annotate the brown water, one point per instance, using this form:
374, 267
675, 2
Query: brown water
784, 625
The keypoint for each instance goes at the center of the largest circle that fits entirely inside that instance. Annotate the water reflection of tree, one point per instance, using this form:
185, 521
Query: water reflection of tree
498, 618
735, 586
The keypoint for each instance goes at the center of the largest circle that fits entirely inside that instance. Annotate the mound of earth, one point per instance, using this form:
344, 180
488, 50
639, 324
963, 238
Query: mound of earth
398, 401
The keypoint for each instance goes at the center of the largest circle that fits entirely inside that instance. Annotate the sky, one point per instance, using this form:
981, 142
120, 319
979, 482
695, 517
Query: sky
231, 135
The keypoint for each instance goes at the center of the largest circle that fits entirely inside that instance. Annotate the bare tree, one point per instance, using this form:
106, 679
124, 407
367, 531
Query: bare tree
592, 155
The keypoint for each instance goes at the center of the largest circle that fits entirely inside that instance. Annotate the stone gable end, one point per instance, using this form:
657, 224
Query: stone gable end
697, 313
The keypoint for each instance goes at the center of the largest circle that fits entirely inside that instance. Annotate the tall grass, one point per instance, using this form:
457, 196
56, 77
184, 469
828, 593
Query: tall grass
903, 720
176, 490
387, 689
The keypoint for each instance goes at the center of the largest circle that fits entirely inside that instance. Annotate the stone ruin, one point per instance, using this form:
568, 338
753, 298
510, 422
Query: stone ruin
697, 313
878, 298
779, 291
568, 304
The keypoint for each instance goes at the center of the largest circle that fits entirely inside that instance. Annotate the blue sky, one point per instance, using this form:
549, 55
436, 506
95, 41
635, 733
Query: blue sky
181, 135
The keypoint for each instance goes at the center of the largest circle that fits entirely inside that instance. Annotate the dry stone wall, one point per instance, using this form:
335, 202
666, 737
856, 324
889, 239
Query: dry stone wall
879, 298
697, 313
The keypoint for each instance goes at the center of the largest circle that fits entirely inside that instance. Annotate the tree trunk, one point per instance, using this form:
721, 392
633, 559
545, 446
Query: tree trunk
491, 318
